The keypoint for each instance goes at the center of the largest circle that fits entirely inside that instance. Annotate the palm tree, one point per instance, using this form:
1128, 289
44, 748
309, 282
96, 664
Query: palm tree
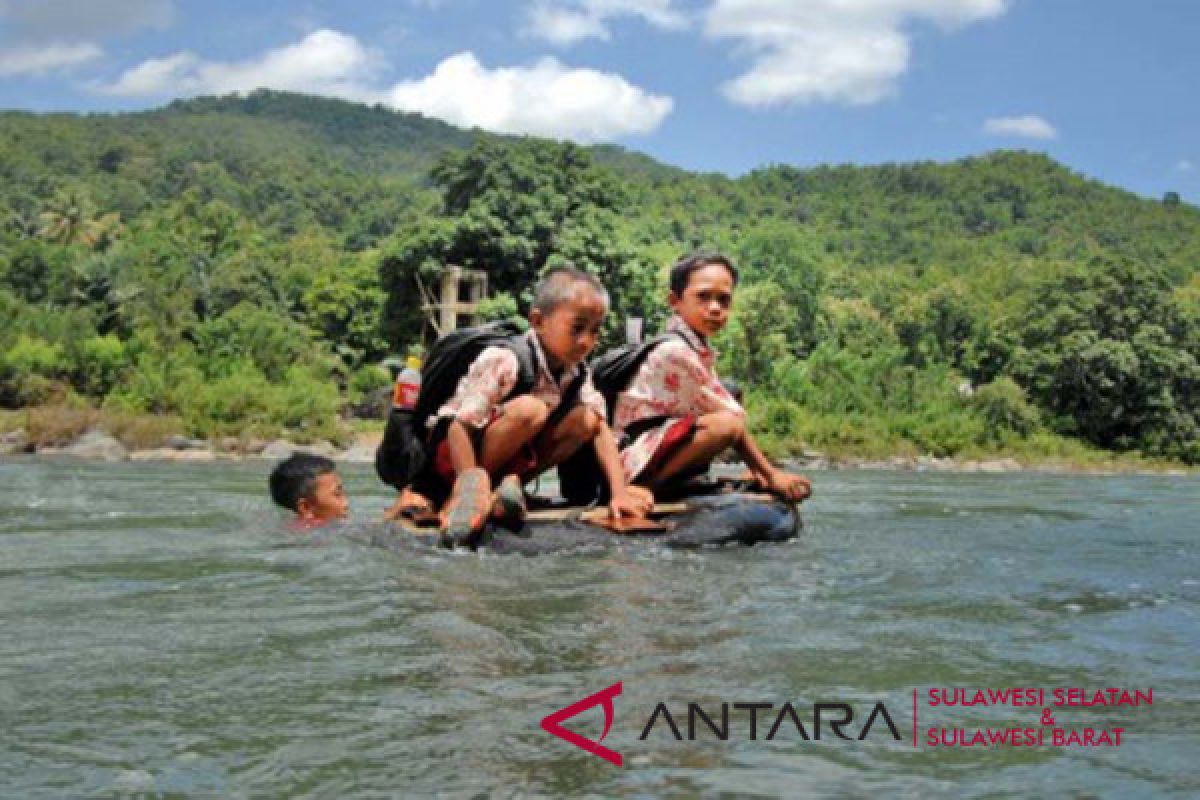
70, 218
95, 284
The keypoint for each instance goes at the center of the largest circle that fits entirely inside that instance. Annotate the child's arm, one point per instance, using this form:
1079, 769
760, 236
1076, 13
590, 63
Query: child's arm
626, 500
490, 378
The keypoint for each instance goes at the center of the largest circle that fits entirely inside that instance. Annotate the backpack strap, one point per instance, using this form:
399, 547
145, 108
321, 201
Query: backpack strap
637, 428
527, 379
652, 345
526, 364
679, 335
570, 397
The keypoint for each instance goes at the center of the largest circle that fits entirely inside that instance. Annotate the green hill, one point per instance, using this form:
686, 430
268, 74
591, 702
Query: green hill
241, 262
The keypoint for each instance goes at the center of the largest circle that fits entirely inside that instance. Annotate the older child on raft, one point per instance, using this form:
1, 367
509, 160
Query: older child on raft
675, 415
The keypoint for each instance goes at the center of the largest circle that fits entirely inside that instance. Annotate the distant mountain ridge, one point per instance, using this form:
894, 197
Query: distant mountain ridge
381, 144
365, 128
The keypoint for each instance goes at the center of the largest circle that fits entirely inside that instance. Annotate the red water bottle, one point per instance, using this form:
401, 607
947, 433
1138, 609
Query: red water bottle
408, 385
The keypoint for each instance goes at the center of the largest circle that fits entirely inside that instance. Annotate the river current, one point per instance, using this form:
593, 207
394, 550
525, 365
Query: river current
165, 634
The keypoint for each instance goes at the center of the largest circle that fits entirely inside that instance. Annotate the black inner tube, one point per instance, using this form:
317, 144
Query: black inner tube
710, 521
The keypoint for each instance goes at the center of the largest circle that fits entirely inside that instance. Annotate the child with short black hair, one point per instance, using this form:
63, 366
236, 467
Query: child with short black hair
309, 485
487, 434
675, 415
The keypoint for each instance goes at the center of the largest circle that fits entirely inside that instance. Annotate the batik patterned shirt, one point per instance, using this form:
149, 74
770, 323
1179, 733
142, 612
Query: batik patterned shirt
493, 375
678, 378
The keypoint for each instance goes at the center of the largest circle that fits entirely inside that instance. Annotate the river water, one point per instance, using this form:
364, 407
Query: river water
164, 634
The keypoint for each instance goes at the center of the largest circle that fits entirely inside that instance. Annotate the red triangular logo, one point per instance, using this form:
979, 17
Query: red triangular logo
553, 723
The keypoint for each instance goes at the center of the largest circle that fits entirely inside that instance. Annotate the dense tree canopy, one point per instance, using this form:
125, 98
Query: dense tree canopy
245, 263
512, 210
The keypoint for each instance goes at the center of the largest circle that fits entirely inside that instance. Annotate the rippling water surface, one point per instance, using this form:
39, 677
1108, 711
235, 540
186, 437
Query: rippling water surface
165, 635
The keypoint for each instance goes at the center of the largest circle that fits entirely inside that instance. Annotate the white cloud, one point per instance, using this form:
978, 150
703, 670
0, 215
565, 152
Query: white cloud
546, 99
173, 74
324, 62
1185, 166
565, 23
41, 59
562, 26
836, 51
42, 36
56, 20
1028, 127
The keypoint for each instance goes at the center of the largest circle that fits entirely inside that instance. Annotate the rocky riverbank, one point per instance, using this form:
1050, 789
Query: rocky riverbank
97, 444
910, 464
982, 465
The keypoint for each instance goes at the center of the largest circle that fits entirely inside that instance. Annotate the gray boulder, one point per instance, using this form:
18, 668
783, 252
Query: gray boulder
358, 453
97, 445
14, 442
282, 448
169, 454
319, 448
277, 450
178, 442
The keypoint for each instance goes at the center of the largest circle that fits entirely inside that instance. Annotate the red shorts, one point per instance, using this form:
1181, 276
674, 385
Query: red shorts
676, 437
524, 463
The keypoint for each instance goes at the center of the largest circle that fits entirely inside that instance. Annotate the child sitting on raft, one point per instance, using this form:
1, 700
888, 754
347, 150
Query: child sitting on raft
481, 436
675, 415
310, 486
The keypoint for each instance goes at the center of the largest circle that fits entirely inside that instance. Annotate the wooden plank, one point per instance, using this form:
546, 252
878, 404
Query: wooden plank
600, 512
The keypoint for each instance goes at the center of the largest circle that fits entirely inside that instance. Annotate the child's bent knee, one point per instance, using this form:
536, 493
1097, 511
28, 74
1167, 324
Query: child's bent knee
726, 425
529, 410
581, 424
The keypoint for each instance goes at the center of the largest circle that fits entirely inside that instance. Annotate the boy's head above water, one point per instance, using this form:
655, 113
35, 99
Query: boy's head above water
310, 486
702, 291
569, 307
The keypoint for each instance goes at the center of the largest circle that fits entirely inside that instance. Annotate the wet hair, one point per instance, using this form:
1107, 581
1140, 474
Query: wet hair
295, 478
558, 286
681, 272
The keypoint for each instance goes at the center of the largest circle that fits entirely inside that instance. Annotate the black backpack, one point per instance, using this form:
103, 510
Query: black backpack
580, 479
402, 454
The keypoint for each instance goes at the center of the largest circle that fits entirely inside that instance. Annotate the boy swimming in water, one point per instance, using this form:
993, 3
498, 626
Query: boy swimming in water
310, 486
675, 415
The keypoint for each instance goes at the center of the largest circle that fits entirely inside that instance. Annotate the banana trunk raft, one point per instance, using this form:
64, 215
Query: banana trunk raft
705, 518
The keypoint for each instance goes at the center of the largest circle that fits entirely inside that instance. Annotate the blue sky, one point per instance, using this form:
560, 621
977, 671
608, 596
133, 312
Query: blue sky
1106, 87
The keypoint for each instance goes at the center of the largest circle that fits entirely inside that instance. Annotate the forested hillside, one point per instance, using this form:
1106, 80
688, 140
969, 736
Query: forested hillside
243, 263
